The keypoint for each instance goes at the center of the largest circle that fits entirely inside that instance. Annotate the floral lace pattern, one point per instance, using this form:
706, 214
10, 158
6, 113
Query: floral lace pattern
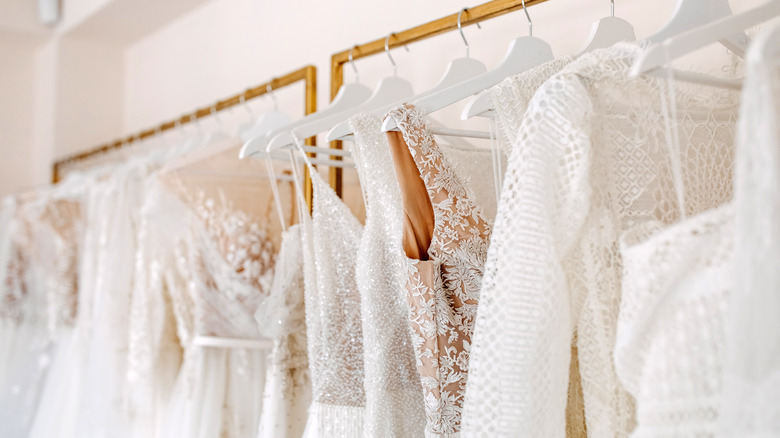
443, 292
232, 261
64, 218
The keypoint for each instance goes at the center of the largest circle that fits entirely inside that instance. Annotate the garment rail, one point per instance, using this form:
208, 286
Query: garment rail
442, 25
307, 75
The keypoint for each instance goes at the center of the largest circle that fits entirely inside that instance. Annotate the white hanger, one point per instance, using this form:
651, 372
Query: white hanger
267, 122
219, 134
243, 127
688, 15
459, 70
349, 96
677, 46
523, 53
604, 33
608, 31
389, 90
255, 137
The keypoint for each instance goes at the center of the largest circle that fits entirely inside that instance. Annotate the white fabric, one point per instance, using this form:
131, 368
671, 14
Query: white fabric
589, 161
331, 237
394, 395
282, 317
216, 270
670, 344
752, 370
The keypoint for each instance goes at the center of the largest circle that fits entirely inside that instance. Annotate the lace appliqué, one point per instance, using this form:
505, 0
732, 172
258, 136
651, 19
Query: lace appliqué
443, 292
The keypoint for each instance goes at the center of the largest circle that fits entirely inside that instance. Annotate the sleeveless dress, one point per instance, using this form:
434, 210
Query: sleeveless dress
331, 237
442, 292
281, 316
394, 403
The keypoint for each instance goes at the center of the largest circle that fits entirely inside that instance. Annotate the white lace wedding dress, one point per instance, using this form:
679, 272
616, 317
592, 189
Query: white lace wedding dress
331, 237
591, 160
751, 379
25, 338
219, 270
394, 397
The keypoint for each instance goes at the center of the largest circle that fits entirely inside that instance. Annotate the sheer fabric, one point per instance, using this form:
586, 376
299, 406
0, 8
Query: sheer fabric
23, 315
206, 279
443, 289
331, 237
590, 160
394, 403
752, 366
281, 316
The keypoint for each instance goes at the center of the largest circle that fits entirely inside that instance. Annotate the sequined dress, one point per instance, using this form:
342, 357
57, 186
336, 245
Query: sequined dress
394, 400
331, 237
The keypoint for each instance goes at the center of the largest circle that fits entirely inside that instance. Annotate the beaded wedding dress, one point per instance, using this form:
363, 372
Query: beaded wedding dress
591, 160
331, 237
394, 398
281, 316
442, 290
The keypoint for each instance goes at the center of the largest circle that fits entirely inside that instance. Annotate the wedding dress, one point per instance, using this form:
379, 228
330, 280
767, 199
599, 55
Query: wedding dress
59, 229
591, 160
394, 398
281, 316
695, 331
209, 277
751, 379
23, 315
331, 237
442, 289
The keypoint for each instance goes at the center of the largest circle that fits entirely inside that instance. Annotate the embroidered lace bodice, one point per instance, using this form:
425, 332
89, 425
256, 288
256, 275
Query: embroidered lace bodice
591, 159
443, 291
331, 237
203, 267
394, 402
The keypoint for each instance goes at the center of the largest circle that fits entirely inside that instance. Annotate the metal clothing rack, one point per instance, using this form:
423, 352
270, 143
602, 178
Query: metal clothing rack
449, 23
307, 74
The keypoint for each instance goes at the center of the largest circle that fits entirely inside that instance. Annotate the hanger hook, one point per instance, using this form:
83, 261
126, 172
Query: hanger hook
352, 63
530, 23
194, 119
270, 91
613, 7
460, 29
389, 56
242, 101
216, 116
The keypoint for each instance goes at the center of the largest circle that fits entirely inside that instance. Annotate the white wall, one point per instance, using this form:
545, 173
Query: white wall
17, 133
228, 45
90, 86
